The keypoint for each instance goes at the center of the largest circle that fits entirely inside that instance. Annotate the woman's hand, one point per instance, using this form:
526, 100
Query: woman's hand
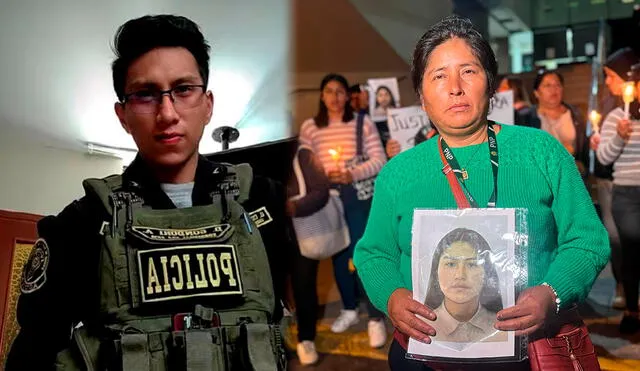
624, 129
402, 312
340, 177
392, 148
530, 313
594, 142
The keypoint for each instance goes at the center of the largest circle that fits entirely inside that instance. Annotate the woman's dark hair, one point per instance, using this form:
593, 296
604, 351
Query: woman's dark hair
322, 117
141, 35
544, 73
517, 86
447, 29
490, 295
393, 100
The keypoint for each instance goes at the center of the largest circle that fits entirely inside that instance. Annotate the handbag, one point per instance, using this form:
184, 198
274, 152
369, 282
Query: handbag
325, 232
564, 344
363, 187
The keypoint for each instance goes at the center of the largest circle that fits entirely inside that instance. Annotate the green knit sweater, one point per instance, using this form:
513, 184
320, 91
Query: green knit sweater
568, 245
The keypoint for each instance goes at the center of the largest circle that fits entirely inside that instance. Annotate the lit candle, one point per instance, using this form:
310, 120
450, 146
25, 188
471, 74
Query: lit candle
335, 156
628, 96
595, 117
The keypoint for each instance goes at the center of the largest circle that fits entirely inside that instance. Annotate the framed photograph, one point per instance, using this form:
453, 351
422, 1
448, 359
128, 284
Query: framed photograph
466, 268
383, 94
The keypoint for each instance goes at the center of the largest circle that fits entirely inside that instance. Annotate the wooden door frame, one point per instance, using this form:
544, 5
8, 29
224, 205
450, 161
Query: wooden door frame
23, 231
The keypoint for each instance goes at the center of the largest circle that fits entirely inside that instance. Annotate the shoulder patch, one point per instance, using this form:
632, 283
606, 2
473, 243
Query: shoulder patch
261, 216
34, 274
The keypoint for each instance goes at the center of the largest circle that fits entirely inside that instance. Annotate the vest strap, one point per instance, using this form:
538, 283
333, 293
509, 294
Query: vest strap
202, 351
135, 352
256, 336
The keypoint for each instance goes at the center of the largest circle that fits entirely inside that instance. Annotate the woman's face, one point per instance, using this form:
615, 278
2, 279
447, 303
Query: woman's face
334, 96
550, 91
454, 88
383, 98
613, 81
461, 273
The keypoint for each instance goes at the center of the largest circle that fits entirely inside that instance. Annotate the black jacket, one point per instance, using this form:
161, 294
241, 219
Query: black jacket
71, 291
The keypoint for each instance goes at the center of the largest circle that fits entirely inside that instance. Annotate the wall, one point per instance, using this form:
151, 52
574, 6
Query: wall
43, 180
350, 46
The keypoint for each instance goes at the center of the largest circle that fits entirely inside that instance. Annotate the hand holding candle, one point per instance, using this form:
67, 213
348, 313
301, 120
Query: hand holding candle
336, 154
628, 95
595, 118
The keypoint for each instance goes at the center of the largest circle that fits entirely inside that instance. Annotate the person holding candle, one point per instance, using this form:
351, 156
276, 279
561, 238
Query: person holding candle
615, 69
619, 145
558, 118
332, 136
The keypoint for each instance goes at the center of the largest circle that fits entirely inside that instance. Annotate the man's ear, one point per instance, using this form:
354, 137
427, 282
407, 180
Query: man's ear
119, 108
210, 101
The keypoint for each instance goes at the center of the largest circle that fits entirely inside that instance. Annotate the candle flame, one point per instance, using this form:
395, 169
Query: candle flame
335, 155
595, 117
629, 92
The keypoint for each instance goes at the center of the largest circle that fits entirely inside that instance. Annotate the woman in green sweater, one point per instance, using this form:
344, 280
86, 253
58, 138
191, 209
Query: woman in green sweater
454, 74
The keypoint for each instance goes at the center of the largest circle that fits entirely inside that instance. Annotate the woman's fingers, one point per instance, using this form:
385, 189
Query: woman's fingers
515, 324
416, 329
421, 309
513, 312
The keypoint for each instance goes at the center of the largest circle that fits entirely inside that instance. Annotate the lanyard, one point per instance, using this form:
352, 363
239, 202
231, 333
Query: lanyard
457, 176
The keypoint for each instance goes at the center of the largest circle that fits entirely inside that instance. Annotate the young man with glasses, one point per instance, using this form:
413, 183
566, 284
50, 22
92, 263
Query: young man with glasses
161, 267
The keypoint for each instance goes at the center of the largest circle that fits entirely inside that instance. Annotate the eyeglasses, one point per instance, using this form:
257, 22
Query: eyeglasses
148, 100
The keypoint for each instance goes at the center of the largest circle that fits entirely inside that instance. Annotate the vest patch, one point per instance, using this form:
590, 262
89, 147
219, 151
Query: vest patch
34, 274
212, 232
261, 216
181, 272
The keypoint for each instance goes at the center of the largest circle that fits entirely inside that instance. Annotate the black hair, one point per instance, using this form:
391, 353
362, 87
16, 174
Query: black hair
544, 73
490, 295
393, 100
354, 89
322, 117
517, 86
449, 28
141, 35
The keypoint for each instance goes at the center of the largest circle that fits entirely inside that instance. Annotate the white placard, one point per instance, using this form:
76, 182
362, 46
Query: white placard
383, 94
501, 108
465, 258
404, 124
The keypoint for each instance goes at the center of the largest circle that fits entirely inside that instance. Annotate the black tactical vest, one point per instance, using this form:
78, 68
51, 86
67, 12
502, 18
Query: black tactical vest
181, 289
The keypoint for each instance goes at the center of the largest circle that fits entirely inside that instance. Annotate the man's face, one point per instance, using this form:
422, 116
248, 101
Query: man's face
167, 135
353, 100
364, 99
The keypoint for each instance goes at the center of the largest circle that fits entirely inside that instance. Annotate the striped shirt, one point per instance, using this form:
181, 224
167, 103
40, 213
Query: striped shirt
341, 137
625, 157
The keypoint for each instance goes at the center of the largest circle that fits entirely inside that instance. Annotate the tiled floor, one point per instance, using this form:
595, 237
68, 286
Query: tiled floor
350, 351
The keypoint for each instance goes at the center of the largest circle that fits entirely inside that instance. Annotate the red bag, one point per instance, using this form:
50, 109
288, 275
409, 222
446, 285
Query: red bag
563, 345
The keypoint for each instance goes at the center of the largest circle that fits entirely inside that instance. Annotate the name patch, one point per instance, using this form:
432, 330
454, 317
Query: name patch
188, 271
261, 217
212, 232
